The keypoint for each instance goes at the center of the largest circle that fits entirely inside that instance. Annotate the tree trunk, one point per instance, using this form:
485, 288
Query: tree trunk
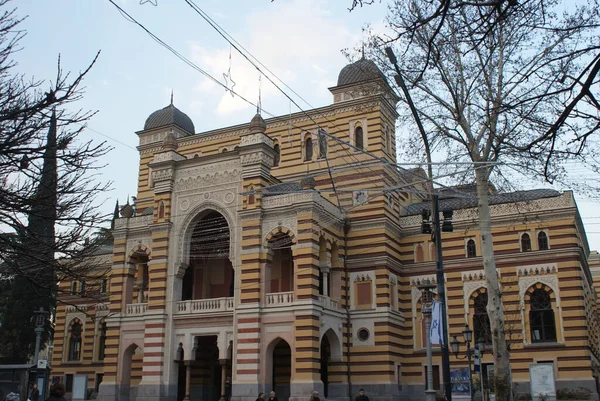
502, 383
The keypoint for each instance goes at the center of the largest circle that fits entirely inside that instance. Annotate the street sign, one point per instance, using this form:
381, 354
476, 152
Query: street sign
42, 364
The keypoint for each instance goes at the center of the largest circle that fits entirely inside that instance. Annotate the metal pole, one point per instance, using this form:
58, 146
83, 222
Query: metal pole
470, 371
429, 392
38, 344
441, 287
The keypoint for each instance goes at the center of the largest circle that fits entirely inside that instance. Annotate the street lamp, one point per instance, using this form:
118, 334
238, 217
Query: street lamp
468, 337
426, 288
41, 317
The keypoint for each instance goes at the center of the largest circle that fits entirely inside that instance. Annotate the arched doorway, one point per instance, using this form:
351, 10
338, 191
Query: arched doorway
131, 372
282, 369
325, 360
206, 373
210, 273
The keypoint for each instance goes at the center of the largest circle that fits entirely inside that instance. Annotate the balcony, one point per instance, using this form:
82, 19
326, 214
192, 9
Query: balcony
136, 309
329, 303
202, 306
279, 299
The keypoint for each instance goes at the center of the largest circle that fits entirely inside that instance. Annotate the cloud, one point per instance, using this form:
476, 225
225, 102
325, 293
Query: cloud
298, 39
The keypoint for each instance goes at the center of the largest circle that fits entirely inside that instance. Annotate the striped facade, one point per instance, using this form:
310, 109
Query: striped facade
238, 274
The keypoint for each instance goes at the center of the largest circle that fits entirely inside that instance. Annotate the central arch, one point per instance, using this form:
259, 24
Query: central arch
210, 271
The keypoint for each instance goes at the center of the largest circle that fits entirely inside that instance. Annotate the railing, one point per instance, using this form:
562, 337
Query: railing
279, 298
102, 306
136, 309
204, 305
329, 303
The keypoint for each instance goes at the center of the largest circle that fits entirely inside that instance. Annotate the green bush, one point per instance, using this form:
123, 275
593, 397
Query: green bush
580, 394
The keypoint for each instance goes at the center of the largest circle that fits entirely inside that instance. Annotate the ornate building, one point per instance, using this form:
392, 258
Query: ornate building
269, 256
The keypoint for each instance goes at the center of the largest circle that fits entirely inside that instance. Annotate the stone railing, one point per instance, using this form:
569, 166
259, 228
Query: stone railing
76, 308
196, 306
279, 298
102, 306
329, 303
136, 309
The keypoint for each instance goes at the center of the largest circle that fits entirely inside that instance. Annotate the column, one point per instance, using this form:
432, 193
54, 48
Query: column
223, 363
188, 379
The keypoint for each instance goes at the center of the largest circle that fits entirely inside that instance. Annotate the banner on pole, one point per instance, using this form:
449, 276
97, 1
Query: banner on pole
435, 334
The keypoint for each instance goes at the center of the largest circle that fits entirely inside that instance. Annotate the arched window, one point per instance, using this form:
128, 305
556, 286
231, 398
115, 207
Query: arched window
481, 320
74, 288
419, 257
161, 210
82, 288
75, 342
322, 145
277, 156
525, 243
102, 342
542, 241
358, 138
471, 249
308, 148
541, 317
251, 196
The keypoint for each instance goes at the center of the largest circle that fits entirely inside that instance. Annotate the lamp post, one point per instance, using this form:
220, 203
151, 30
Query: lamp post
468, 337
40, 317
426, 288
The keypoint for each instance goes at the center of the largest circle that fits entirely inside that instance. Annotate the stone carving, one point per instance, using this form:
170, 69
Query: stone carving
535, 270
163, 174
476, 275
207, 180
257, 157
270, 224
204, 169
256, 138
527, 281
133, 243
418, 280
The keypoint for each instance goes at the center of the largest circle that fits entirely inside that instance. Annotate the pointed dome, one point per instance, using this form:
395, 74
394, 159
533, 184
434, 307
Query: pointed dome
169, 115
258, 124
360, 71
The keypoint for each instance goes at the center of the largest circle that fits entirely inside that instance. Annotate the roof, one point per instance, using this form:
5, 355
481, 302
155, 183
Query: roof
455, 203
170, 115
284, 187
360, 71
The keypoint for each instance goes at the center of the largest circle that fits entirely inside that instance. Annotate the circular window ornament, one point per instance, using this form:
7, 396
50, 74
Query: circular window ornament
363, 334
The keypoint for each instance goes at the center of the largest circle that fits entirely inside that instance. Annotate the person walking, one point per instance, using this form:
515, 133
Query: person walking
361, 396
315, 396
35, 393
57, 392
272, 396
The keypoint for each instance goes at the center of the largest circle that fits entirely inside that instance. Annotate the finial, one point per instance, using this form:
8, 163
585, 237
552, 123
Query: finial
171, 97
259, 103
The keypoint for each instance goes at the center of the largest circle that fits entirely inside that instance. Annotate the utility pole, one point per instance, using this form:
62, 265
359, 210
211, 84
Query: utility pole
435, 209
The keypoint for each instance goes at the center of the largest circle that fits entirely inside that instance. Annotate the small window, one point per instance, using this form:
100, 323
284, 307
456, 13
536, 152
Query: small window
358, 138
308, 148
161, 210
69, 383
75, 342
471, 249
433, 252
251, 196
82, 288
74, 288
103, 285
102, 342
541, 317
322, 145
542, 241
364, 297
436, 376
363, 334
525, 243
419, 256
277, 156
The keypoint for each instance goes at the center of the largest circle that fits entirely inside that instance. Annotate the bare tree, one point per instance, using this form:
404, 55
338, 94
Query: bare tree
489, 86
48, 185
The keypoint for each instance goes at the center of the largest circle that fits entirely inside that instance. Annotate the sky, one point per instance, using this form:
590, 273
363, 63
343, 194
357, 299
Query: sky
301, 41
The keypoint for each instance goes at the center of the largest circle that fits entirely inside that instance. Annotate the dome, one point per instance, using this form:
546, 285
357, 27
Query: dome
170, 115
258, 124
360, 71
